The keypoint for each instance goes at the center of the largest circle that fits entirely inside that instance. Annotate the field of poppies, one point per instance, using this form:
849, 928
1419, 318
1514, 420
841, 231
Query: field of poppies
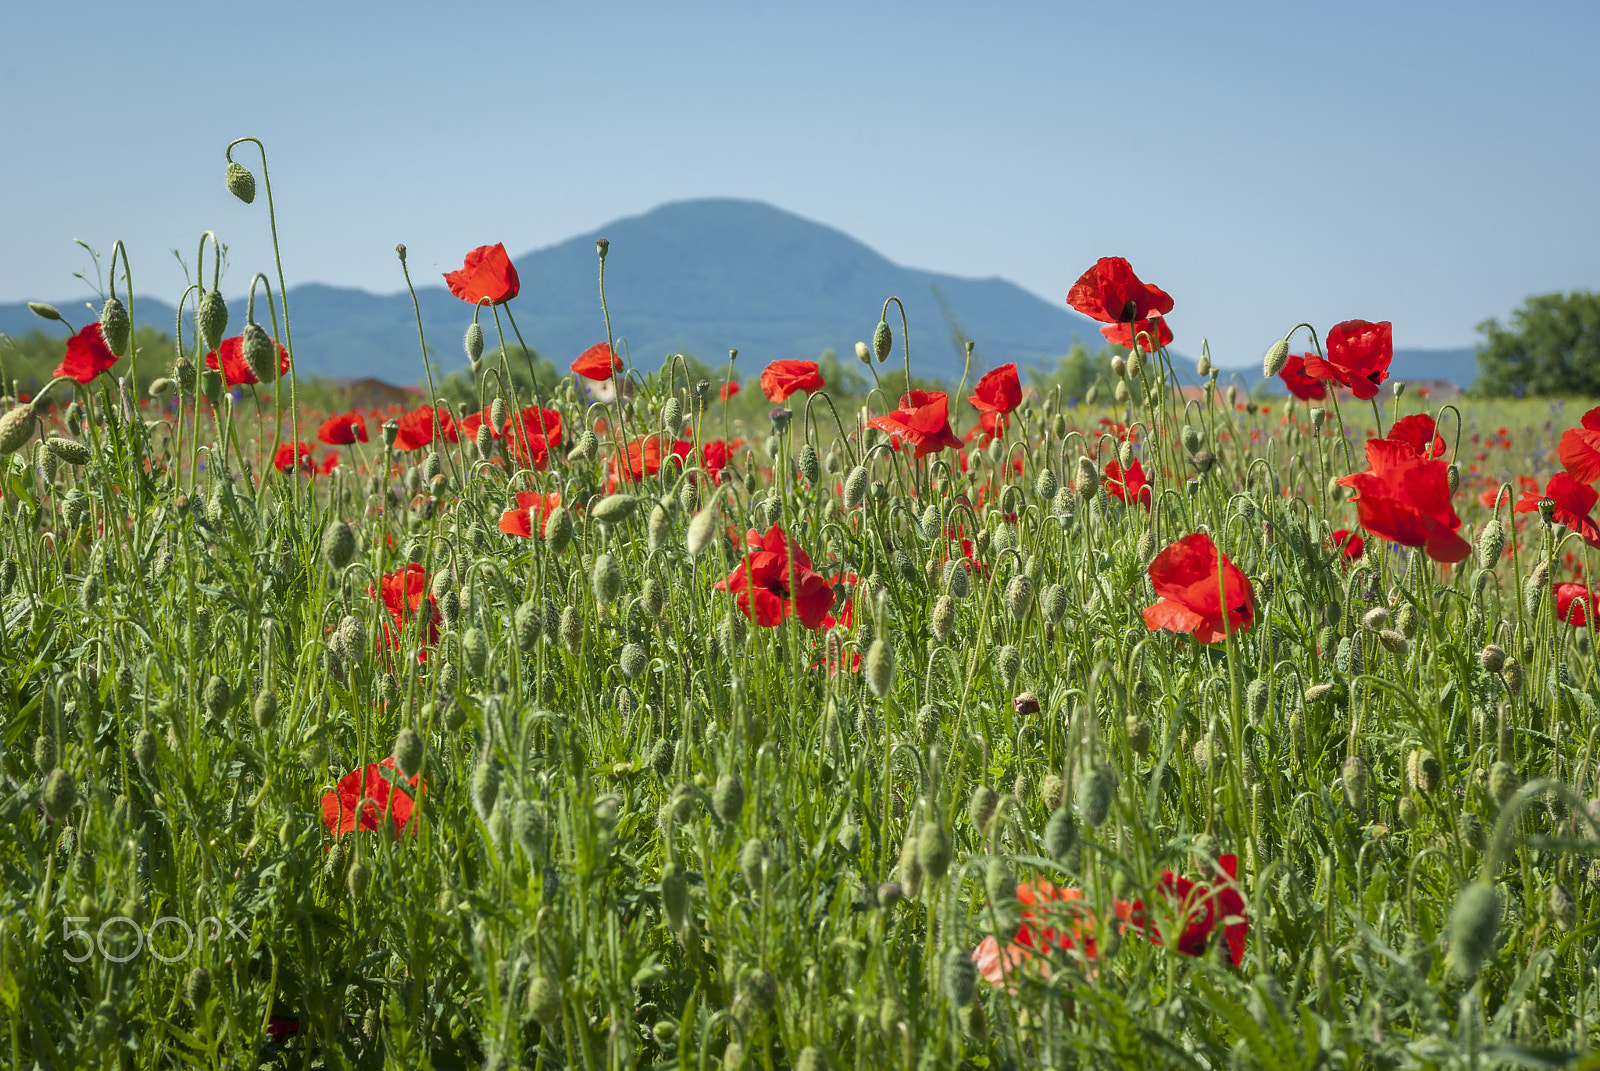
611, 728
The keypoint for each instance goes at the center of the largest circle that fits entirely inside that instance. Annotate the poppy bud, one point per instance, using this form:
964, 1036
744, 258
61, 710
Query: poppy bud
474, 345
890, 893
863, 354
584, 447
928, 723
1276, 357
44, 753
1423, 770
475, 649
69, 450
197, 987
606, 578
544, 1001
16, 428
933, 850
115, 326
241, 183
571, 628
943, 619
213, 319
727, 799
674, 895
484, 788
218, 696
1474, 925
1356, 778
1452, 474
1503, 781
855, 486
960, 977
1008, 663
809, 464
1472, 831
752, 861
260, 353
211, 386
1563, 908
338, 544
144, 749
981, 807
1094, 795
633, 660
614, 509
1019, 596
264, 710
43, 311
672, 415
661, 755
1061, 834
880, 667
60, 793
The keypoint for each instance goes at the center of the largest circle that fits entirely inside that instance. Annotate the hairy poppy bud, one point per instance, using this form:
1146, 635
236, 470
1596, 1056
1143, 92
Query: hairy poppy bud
115, 326
197, 987
1503, 781
1356, 778
260, 352
473, 343
1474, 925
1318, 416
700, 531
1001, 886
69, 450
1563, 908
960, 977
60, 793
1491, 543
44, 311
558, 530
614, 509
727, 799
475, 649
855, 486
525, 626
585, 446
661, 756
144, 749
1008, 663
1452, 475
484, 788
943, 619
633, 660
809, 464
1405, 812
672, 416
981, 807
606, 578
338, 544
218, 696
880, 667
674, 895
571, 628
1061, 834
44, 753
928, 723
1423, 770
863, 353
933, 850
16, 428
213, 319
1276, 357
1492, 658
882, 341
264, 711
544, 1000
241, 183
1019, 596
752, 861
1094, 795
356, 879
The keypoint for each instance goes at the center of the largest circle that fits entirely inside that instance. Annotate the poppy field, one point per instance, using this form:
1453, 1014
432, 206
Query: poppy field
612, 727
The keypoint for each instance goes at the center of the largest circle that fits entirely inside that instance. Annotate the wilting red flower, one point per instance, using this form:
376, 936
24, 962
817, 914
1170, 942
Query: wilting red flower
1416, 431
1579, 449
289, 453
236, 371
344, 429
999, 391
1358, 356
363, 796
416, 428
533, 509
87, 355
922, 420
1405, 498
403, 593
1576, 605
1111, 293
729, 389
1130, 486
1151, 334
1186, 576
1573, 502
1307, 388
1200, 909
597, 362
1348, 543
766, 591
782, 378
486, 274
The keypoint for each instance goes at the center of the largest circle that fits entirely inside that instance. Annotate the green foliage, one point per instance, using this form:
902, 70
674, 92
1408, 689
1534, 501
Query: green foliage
1550, 347
1075, 372
530, 374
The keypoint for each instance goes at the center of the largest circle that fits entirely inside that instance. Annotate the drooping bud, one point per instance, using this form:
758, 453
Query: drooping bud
60, 793
338, 544
1276, 357
1423, 770
213, 319
1094, 795
981, 808
809, 464
1474, 925
943, 619
241, 183
264, 711
752, 861
44, 311
863, 353
614, 509
855, 486
1061, 834
260, 352
484, 788
558, 530
727, 799
960, 977
933, 849
197, 987
115, 326
1356, 779
675, 895
473, 343
16, 428
1491, 543
1503, 781
356, 879
880, 667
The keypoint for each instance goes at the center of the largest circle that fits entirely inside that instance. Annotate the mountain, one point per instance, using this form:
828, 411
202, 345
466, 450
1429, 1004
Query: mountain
1459, 366
698, 276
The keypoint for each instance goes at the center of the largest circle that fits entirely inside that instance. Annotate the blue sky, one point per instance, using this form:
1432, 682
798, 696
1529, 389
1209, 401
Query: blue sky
1432, 164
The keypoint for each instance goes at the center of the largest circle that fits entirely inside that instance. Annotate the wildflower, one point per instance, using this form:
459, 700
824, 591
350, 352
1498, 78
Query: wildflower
236, 371
1200, 909
1054, 919
729, 389
922, 420
1127, 485
774, 579
403, 591
528, 519
643, 459
1307, 388
87, 355
1358, 356
416, 428
1348, 543
1579, 448
363, 797
292, 455
1576, 605
783, 378
1185, 575
998, 391
486, 274
1151, 334
1111, 293
1419, 432
530, 435
1572, 500
991, 425
344, 429
597, 363
1405, 499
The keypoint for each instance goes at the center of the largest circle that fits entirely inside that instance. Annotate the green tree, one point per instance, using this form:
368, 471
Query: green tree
1075, 372
1551, 346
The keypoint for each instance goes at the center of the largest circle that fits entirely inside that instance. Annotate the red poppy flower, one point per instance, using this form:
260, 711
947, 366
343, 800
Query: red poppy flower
715, 455
416, 428
597, 362
1358, 356
729, 389
999, 391
644, 459
87, 355
1151, 334
1130, 486
1579, 449
328, 464
1054, 918
236, 371
1348, 543
344, 429
531, 434
363, 797
922, 420
990, 426
1576, 605
1307, 388
486, 274
403, 593
1111, 293
1200, 909
1185, 575
467, 427
1405, 499
767, 593
1573, 502
289, 453
782, 378
1416, 431
533, 509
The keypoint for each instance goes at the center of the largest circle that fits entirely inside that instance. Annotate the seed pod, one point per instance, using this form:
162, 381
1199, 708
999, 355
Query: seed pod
1094, 795
558, 530
1061, 834
933, 850
338, 544
855, 486
960, 977
606, 578
1356, 778
880, 667
264, 711
544, 1001
1474, 925
484, 788
675, 895
752, 861
1276, 357
241, 183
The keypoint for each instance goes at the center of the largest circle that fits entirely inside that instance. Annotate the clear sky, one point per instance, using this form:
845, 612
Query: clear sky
1428, 163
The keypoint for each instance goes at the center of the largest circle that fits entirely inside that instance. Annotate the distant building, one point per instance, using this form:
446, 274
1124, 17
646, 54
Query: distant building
368, 392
